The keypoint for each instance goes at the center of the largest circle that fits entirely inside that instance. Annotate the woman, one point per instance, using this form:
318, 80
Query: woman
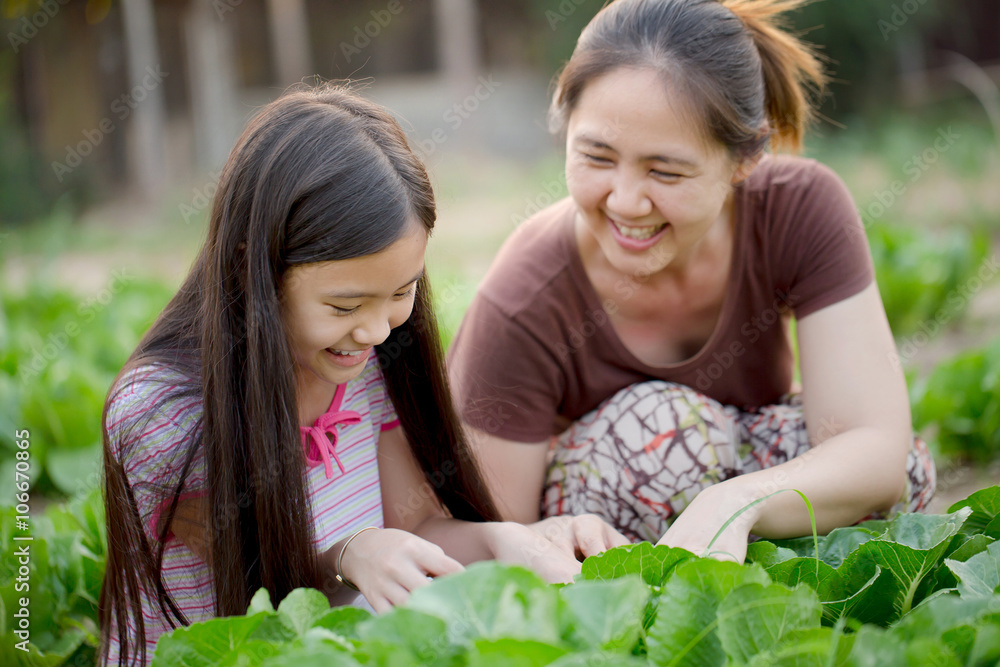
649, 312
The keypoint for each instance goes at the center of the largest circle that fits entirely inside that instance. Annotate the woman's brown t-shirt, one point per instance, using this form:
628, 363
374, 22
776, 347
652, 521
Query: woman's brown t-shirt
536, 349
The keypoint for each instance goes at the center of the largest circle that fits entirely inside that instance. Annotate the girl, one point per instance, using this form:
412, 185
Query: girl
648, 313
292, 395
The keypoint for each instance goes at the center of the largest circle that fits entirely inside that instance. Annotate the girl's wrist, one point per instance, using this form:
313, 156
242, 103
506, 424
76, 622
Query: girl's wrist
339, 564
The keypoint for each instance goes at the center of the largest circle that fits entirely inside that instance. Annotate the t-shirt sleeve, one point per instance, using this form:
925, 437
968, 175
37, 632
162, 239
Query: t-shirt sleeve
822, 251
383, 412
151, 424
505, 378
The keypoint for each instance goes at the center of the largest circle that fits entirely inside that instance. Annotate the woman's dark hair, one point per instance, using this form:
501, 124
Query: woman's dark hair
738, 69
318, 175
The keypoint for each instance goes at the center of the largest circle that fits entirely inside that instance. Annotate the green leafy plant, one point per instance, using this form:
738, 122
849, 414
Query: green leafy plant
958, 405
923, 276
918, 589
59, 353
65, 562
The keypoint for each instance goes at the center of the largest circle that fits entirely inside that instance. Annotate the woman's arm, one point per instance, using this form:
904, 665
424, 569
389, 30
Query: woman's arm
858, 417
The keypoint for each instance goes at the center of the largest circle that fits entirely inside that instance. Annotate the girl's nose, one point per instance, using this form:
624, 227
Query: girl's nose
373, 331
628, 197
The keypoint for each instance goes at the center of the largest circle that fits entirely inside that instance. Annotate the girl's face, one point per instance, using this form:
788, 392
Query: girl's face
647, 183
336, 312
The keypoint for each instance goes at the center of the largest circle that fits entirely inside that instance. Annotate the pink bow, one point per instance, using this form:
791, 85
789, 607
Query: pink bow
320, 448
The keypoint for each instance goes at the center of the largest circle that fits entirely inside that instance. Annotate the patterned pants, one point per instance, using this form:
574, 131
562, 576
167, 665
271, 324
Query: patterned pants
646, 452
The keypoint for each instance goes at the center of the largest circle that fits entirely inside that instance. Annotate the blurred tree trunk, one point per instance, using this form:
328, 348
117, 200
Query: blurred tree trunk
145, 151
457, 42
289, 40
212, 80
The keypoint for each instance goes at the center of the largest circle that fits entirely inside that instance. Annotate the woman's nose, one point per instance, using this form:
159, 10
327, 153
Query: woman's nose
628, 197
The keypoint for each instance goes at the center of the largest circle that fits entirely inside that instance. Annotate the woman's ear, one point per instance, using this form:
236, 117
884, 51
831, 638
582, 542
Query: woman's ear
748, 163
746, 167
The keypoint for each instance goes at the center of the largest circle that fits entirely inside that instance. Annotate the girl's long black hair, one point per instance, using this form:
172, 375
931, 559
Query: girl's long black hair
319, 175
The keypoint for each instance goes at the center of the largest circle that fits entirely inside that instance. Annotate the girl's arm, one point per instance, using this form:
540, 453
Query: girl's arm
420, 540
515, 472
858, 416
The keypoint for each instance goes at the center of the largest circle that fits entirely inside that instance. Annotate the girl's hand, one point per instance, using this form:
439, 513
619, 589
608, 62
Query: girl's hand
517, 544
388, 564
580, 536
697, 525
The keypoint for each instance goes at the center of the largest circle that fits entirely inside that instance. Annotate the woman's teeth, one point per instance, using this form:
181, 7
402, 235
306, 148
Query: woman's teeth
639, 233
344, 353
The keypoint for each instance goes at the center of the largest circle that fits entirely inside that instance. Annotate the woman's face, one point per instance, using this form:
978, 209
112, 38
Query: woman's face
647, 183
336, 312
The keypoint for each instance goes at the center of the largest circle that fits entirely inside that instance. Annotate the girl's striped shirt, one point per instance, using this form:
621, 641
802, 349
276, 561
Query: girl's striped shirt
342, 483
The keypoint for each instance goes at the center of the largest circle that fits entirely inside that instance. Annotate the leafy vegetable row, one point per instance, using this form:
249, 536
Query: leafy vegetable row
914, 590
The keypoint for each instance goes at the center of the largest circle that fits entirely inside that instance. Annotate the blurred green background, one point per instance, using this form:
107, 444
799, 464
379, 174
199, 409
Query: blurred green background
148, 97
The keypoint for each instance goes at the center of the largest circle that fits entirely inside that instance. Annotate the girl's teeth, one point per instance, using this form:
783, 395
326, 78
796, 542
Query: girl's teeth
639, 233
346, 354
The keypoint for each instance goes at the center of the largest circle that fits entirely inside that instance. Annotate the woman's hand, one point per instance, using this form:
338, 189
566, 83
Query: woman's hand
388, 564
517, 544
579, 536
698, 524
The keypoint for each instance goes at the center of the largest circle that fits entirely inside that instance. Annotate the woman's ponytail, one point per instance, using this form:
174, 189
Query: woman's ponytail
748, 79
793, 71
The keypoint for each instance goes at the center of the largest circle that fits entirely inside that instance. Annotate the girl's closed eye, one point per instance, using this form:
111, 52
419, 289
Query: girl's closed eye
408, 293
343, 311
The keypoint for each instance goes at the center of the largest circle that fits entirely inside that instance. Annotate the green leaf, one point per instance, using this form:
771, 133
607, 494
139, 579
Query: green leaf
490, 600
754, 618
423, 637
985, 505
939, 614
207, 643
607, 614
314, 653
652, 563
598, 659
302, 608
813, 647
513, 653
684, 632
260, 602
77, 470
980, 575
343, 621
910, 550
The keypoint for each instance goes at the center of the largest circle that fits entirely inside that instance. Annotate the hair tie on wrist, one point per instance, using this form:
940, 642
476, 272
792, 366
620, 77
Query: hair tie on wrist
340, 558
